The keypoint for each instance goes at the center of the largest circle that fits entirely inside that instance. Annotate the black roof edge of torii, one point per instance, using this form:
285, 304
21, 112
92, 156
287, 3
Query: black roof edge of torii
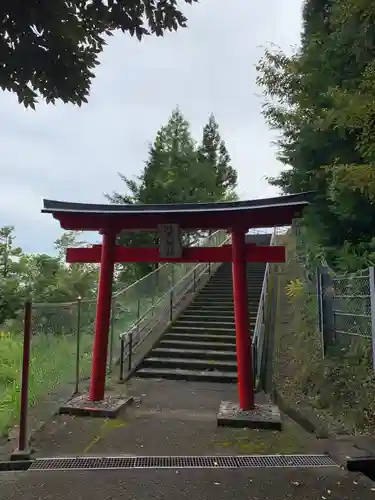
301, 199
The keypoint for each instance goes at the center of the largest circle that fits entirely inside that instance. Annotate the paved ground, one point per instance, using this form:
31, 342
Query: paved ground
178, 418
265, 484
173, 418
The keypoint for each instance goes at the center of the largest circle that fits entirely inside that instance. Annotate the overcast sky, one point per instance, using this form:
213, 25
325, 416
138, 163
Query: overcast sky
74, 154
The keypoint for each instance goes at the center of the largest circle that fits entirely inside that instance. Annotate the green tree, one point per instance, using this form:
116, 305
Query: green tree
69, 239
8, 253
212, 152
11, 297
46, 278
75, 280
51, 49
320, 100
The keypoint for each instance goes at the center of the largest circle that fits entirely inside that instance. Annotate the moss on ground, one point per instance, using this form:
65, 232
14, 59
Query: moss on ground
292, 439
340, 390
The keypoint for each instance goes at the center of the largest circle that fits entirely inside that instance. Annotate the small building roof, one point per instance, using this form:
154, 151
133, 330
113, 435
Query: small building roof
266, 212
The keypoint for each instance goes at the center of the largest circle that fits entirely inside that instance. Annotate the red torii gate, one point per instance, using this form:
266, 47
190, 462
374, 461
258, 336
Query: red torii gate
237, 217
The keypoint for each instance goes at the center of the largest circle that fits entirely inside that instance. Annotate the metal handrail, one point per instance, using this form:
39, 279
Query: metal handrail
258, 338
129, 341
139, 320
259, 328
172, 288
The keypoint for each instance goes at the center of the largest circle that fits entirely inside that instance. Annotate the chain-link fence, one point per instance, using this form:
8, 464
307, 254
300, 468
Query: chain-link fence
323, 338
351, 307
63, 333
344, 309
342, 301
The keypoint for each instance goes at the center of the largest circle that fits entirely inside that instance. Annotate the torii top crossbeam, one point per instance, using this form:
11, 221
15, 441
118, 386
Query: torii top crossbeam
267, 212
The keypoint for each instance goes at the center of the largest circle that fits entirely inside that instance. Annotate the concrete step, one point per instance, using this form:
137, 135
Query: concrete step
192, 375
229, 280
194, 353
204, 323
229, 292
207, 327
212, 298
209, 312
200, 337
220, 281
219, 306
226, 284
208, 321
251, 273
217, 289
190, 364
195, 316
191, 331
228, 312
229, 286
194, 344
203, 329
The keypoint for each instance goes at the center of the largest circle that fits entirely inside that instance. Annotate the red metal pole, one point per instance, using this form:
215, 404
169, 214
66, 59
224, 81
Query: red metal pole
22, 437
243, 342
103, 318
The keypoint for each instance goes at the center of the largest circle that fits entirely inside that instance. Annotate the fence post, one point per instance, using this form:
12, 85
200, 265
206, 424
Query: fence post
171, 296
112, 331
326, 291
319, 300
130, 350
122, 348
78, 346
138, 313
22, 452
372, 299
154, 293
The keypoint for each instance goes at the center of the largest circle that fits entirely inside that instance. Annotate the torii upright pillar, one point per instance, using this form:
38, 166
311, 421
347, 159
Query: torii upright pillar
241, 315
103, 317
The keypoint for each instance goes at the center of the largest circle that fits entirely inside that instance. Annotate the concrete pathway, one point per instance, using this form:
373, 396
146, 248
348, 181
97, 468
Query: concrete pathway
197, 484
172, 418
178, 418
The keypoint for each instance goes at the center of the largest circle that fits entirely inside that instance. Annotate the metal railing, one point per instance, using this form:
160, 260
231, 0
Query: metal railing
163, 305
258, 337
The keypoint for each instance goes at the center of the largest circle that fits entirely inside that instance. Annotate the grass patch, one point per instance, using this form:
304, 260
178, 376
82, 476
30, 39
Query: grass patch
339, 389
52, 364
53, 352
53, 355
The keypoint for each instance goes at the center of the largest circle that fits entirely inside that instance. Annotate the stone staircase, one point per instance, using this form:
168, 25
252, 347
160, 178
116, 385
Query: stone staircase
201, 343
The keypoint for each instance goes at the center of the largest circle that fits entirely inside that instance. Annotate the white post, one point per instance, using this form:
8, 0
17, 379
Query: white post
372, 298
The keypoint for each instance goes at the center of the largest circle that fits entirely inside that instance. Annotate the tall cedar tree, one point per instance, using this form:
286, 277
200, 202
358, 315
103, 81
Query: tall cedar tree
51, 49
175, 172
213, 152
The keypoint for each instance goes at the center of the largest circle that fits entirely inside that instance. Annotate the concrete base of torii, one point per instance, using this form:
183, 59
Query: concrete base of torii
262, 416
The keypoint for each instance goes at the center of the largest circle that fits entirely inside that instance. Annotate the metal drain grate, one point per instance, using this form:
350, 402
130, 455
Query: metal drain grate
175, 462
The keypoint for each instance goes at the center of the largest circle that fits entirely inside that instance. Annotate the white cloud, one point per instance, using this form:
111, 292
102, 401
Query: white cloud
75, 153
